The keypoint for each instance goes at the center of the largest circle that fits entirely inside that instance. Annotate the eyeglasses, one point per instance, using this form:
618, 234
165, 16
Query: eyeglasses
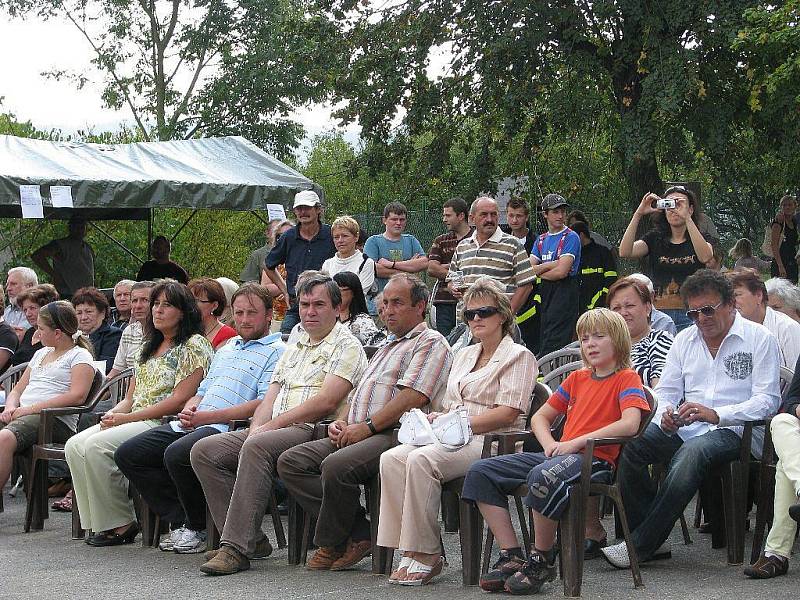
484, 312
706, 311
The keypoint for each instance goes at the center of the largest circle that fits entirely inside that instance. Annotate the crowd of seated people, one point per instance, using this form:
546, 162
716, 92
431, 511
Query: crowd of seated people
718, 372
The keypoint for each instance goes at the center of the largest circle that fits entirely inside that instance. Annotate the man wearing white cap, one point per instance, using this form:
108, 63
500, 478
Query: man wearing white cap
301, 248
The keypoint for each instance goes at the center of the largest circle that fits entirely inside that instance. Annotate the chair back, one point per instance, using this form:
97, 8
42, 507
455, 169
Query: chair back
92, 398
115, 388
652, 400
12, 376
557, 376
539, 396
552, 360
785, 381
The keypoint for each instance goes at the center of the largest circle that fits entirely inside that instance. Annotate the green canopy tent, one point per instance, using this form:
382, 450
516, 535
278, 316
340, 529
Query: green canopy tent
129, 181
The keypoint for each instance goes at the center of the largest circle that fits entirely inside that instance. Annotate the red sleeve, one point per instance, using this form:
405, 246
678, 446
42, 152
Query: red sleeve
560, 399
631, 392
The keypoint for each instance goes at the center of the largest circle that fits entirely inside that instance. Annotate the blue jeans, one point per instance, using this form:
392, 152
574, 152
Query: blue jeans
652, 510
679, 317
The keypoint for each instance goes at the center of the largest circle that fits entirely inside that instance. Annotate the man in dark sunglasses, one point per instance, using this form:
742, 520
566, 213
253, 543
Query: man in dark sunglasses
718, 375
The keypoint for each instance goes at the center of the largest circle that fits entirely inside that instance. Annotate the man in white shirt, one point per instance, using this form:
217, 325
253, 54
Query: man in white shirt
19, 279
718, 375
751, 302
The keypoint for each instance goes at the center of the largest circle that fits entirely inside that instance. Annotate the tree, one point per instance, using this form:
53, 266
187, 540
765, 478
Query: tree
200, 67
523, 69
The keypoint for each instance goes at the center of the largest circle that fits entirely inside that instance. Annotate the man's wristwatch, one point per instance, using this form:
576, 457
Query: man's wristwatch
371, 426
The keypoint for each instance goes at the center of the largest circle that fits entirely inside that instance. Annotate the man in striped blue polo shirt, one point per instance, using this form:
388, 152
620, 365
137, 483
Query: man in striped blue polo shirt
157, 461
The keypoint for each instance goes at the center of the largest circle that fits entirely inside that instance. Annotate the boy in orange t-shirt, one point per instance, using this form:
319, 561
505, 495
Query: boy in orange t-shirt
604, 400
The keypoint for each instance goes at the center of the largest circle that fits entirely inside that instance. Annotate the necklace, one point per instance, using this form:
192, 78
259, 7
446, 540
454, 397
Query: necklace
213, 329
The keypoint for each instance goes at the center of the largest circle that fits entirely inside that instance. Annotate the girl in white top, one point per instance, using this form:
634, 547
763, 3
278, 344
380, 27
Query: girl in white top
60, 374
345, 232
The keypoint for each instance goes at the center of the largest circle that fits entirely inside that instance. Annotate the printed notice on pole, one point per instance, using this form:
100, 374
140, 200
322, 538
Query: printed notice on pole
276, 211
61, 196
31, 200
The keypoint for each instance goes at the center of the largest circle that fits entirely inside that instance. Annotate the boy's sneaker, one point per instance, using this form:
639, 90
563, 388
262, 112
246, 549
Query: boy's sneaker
505, 567
534, 574
192, 542
167, 544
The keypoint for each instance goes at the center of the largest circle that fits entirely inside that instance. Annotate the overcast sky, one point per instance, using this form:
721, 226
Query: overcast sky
30, 46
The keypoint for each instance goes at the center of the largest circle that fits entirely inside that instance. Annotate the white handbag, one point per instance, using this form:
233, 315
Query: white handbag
450, 430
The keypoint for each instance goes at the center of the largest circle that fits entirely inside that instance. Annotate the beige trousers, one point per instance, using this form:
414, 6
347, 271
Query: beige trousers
100, 488
786, 437
411, 492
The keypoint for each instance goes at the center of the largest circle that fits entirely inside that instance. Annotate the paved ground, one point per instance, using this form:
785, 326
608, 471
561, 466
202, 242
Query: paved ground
47, 564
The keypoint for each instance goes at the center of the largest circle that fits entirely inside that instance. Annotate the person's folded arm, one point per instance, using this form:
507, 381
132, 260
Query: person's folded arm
541, 422
222, 416
627, 426
416, 264
437, 269
670, 390
560, 268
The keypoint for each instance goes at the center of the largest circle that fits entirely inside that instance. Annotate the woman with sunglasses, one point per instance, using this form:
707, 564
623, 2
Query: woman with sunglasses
674, 247
353, 310
59, 374
493, 380
211, 302
784, 240
173, 361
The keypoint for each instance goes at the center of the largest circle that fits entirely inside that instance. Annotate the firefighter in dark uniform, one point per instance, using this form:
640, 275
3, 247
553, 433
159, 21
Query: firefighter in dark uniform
598, 269
556, 257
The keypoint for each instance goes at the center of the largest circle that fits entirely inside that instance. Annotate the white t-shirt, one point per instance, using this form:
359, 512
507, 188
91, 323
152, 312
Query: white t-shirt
335, 265
52, 379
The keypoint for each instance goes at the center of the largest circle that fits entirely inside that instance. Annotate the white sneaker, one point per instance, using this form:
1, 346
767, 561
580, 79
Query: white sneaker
617, 555
173, 537
192, 542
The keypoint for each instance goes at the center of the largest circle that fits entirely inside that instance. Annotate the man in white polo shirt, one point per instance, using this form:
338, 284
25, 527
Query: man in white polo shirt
718, 375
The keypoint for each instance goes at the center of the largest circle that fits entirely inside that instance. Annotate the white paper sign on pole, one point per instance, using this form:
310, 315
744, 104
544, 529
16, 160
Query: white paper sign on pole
31, 200
61, 196
276, 211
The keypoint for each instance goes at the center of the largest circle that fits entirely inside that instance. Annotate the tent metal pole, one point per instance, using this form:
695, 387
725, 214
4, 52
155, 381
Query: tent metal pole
149, 232
125, 249
185, 223
259, 217
21, 232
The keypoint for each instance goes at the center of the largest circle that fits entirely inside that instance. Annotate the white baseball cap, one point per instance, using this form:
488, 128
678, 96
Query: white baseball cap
306, 198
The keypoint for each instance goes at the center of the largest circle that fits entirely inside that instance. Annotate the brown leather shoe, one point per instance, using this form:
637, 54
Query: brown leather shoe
767, 567
324, 558
354, 554
262, 551
226, 562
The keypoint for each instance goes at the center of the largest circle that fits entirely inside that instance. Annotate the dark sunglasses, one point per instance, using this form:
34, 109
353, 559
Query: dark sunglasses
484, 312
706, 311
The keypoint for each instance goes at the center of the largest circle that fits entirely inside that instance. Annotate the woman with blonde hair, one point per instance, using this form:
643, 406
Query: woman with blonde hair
59, 374
345, 231
493, 380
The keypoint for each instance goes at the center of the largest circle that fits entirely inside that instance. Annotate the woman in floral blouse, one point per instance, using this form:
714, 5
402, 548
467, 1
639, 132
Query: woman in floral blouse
173, 361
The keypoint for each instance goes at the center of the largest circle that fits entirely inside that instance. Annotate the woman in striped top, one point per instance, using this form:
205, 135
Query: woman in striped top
633, 301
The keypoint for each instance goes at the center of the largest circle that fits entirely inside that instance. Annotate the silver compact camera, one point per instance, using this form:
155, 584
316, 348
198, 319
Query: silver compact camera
665, 203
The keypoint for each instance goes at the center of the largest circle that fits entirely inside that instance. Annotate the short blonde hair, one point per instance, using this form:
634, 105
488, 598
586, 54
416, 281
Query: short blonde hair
487, 288
348, 223
602, 320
